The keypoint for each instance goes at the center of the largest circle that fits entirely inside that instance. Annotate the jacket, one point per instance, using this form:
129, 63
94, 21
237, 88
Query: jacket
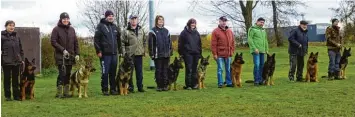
11, 49
222, 42
298, 37
107, 38
332, 34
159, 43
63, 37
133, 41
257, 39
189, 42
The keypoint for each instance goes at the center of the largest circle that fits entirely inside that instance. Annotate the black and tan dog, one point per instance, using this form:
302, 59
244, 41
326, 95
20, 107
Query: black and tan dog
201, 71
173, 72
28, 80
269, 69
124, 74
236, 69
312, 68
344, 62
80, 78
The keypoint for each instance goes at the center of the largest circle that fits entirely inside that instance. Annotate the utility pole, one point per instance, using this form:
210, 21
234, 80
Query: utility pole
151, 25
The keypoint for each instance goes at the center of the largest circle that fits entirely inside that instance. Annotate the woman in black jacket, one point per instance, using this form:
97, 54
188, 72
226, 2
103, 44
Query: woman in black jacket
11, 58
160, 50
190, 50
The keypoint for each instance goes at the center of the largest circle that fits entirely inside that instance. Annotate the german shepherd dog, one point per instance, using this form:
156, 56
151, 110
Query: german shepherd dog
124, 74
344, 62
236, 68
312, 68
201, 71
173, 72
268, 70
28, 80
80, 78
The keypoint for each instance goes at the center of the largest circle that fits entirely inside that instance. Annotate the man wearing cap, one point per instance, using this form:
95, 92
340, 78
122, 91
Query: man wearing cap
334, 44
298, 46
258, 44
223, 45
133, 42
107, 40
65, 43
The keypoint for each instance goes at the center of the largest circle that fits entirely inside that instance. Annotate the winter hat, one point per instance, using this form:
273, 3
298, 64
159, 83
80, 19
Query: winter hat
108, 13
64, 15
334, 20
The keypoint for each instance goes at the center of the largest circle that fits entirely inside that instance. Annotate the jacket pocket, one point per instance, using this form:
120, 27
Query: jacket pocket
6, 59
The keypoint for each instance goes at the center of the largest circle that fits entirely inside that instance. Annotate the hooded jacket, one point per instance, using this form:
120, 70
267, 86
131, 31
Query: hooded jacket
222, 43
11, 49
133, 41
257, 39
107, 38
189, 42
297, 38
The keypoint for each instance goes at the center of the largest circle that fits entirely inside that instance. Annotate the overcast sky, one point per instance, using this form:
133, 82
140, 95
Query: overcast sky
45, 14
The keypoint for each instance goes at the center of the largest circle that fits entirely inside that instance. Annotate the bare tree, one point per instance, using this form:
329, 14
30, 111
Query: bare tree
282, 11
346, 13
240, 12
93, 11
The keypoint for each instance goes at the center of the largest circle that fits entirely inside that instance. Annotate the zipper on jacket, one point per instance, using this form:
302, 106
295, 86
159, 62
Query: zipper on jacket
113, 41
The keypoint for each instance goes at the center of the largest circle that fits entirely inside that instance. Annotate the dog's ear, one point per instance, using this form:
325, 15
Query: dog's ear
92, 70
26, 60
273, 55
208, 57
241, 54
349, 49
316, 54
34, 61
311, 54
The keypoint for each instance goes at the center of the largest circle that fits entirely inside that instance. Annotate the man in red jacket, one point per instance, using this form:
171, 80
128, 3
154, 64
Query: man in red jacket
223, 45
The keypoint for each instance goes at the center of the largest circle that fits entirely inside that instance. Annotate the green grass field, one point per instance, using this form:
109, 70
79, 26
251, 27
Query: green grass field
325, 98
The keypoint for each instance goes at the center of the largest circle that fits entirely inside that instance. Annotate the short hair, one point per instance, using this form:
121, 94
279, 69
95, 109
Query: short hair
8, 22
261, 19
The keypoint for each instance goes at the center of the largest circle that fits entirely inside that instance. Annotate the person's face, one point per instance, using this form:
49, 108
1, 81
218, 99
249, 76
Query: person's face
260, 23
10, 27
336, 23
160, 21
304, 26
223, 23
65, 21
134, 21
193, 25
110, 18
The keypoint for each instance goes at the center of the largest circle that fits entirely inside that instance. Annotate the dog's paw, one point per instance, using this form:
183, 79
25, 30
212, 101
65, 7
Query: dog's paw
80, 96
85, 96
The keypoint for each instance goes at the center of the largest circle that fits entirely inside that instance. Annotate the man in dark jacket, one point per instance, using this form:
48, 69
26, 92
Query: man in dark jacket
190, 49
298, 45
65, 43
106, 39
334, 44
12, 57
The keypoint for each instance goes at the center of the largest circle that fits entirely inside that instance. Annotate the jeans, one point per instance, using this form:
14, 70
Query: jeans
334, 60
258, 67
226, 62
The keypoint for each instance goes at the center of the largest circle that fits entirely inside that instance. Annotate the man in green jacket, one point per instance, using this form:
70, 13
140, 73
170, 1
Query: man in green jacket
258, 43
133, 42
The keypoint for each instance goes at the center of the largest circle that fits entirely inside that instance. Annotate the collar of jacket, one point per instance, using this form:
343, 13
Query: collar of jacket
189, 29
104, 21
129, 27
336, 27
60, 24
299, 27
226, 28
5, 33
257, 27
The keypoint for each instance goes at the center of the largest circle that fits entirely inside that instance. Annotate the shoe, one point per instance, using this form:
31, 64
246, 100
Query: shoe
195, 87
113, 92
256, 84
66, 92
17, 99
141, 90
230, 85
159, 89
261, 83
299, 80
59, 91
220, 86
8, 99
130, 90
330, 76
105, 93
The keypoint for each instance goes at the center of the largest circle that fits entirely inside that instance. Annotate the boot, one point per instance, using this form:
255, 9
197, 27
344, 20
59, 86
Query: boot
59, 91
66, 92
330, 76
337, 76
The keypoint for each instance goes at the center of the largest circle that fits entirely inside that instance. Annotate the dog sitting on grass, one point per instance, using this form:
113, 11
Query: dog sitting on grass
124, 74
80, 78
269, 69
312, 68
201, 71
236, 69
173, 72
28, 80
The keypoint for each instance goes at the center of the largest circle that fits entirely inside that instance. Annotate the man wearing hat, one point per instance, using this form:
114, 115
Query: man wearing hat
334, 44
107, 40
223, 45
298, 46
65, 43
133, 43
258, 44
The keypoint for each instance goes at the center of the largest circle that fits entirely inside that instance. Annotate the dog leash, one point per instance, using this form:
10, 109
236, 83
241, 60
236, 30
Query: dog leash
63, 65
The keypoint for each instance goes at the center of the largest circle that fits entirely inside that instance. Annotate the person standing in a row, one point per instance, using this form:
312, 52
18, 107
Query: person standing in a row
334, 44
12, 57
107, 38
160, 50
190, 50
133, 42
65, 43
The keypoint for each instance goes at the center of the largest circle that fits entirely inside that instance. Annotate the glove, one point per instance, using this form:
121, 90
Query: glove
77, 58
339, 45
65, 53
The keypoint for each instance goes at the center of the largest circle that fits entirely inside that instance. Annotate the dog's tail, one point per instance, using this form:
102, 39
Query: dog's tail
249, 81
